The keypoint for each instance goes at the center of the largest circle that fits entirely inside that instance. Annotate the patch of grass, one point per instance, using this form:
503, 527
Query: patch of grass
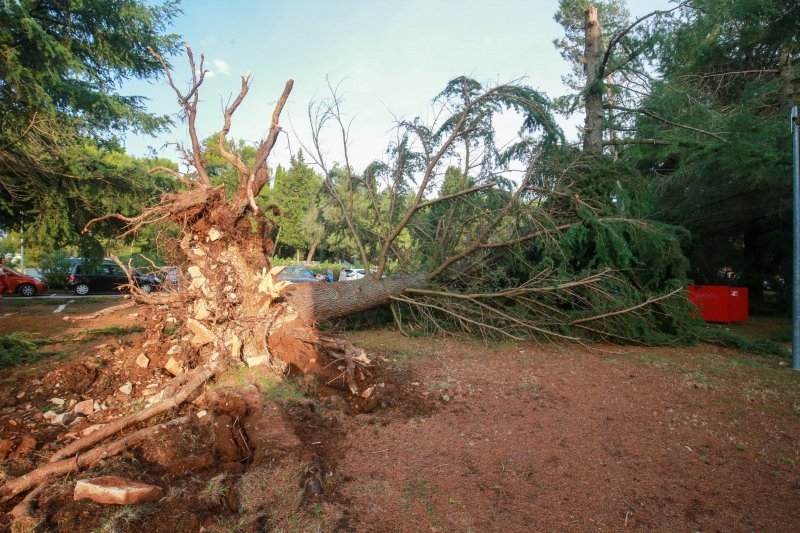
290, 390
217, 490
125, 518
273, 490
20, 348
170, 328
699, 380
756, 346
421, 492
99, 333
438, 385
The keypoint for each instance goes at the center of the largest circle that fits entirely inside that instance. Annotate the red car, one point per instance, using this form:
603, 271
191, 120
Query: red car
12, 282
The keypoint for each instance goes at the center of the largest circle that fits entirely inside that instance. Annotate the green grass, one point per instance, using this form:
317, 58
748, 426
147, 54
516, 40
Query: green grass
20, 348
755, 346
289, 390
99, 333
125, 518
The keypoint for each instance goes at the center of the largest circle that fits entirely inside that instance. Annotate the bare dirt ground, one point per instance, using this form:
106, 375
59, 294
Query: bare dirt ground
464, 436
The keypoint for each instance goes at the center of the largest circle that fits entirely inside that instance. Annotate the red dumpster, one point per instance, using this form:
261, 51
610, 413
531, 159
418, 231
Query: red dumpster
720, 304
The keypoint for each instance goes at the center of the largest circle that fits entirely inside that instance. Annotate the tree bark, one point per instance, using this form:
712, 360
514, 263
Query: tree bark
786, 98
319, 302
313, 249
593, 95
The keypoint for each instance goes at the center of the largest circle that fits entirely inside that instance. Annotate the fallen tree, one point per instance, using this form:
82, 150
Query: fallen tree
559, 252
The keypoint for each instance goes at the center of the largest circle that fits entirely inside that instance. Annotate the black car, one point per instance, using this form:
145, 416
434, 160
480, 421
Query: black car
84, 279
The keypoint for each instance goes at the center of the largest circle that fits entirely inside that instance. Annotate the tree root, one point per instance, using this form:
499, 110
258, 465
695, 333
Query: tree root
42, 474
188, 383
25, 507
126, 305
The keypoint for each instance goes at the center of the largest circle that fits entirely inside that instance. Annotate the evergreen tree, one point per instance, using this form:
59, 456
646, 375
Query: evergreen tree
60, 107
295, 192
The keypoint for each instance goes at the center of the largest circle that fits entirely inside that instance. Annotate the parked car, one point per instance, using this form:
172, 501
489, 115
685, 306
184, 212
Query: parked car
297, 274
84, 279
350, 274
22, 284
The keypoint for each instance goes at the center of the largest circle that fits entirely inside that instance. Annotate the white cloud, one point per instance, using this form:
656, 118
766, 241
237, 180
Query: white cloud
221, 66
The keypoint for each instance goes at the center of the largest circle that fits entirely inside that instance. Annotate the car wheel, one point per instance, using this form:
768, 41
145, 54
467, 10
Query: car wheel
81, 289
147, 289
27, 290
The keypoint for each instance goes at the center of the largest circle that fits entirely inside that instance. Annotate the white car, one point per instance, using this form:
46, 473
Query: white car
350, 274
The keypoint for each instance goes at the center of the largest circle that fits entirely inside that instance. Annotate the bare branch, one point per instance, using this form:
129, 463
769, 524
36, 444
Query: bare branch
454, 195
665, 121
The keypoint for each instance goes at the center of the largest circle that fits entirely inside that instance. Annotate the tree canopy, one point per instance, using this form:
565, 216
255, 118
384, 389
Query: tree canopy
62, 65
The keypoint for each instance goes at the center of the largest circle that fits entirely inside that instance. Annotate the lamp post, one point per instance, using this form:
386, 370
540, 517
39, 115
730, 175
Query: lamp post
795, 241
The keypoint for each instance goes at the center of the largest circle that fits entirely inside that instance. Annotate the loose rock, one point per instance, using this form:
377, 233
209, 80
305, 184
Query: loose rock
142, 361
85, 408
257, 361
173, 367
116, 490
202, 335
127, 388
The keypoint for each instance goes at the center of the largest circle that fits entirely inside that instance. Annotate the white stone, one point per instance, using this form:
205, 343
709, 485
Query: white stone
201, 414
202, 335
116, 490
142, 360
127, 388
85, 408
201, 311
257, 361
174, 350
195, 272
57, 401
173, 367
214, 234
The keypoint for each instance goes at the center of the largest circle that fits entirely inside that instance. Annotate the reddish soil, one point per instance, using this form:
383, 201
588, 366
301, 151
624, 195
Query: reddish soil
462, 437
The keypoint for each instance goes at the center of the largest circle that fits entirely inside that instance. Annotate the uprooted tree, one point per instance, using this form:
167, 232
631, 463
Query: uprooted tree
529, 239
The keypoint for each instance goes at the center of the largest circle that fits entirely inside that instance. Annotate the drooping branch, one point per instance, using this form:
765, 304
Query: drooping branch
172, 172
653, 115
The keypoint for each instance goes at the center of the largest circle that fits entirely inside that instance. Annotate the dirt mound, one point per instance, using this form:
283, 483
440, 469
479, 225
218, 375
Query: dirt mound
71, 377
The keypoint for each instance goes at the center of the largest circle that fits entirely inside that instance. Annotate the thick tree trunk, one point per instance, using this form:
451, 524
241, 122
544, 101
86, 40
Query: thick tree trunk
313, 249
786, 97
593, 55
319, 302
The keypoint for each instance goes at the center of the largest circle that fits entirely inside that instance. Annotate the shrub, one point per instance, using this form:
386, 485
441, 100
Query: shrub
55, 268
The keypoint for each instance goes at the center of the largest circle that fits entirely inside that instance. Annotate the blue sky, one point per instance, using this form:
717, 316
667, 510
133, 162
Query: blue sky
394, 57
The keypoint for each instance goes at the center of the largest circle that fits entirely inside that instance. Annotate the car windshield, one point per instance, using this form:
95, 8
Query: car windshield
297, 272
